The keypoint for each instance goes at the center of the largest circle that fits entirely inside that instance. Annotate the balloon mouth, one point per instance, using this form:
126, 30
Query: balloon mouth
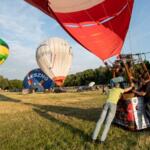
59, 80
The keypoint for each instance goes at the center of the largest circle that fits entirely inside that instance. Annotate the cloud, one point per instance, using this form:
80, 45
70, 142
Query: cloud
20, 61
20, 23
23, 32
139, 32
83, 59
24, 27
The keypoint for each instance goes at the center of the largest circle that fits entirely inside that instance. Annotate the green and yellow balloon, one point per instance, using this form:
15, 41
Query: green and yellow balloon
4, 51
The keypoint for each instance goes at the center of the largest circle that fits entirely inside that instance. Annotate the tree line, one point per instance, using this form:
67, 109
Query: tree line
101, 75
6, 84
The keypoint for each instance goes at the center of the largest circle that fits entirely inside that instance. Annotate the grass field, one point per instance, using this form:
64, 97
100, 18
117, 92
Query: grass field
60, 122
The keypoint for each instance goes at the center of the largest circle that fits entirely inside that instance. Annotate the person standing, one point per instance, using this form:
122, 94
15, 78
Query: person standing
109, 111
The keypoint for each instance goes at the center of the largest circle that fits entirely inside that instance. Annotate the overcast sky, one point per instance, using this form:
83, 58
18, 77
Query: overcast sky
25, 27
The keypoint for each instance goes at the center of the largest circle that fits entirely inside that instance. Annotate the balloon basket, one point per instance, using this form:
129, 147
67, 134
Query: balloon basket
131, 114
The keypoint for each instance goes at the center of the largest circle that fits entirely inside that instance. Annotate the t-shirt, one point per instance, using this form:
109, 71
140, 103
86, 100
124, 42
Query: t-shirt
114, 95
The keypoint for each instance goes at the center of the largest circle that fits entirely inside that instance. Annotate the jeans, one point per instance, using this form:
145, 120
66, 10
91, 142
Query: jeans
107, 114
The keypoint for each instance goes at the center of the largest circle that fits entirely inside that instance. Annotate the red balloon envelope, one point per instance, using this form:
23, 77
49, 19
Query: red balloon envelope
98, 25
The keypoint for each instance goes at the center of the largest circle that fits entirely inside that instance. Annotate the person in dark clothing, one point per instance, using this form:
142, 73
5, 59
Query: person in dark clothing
145, 92
104, 91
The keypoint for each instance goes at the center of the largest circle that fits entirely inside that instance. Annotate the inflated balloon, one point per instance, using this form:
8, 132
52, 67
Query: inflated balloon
98, 25
54, 57
38, 80
4, 51
91, 84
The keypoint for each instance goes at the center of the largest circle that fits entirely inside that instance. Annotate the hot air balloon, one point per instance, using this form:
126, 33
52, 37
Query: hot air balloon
98, 25
91, 84
4, 51
54, 57
37, 80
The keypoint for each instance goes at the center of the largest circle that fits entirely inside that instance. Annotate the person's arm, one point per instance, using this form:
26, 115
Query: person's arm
128, 89
139, 93
146, 81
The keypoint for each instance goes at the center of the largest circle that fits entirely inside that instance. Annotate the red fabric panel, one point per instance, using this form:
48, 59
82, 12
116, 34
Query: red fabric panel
130, 111
95, 39
100, 29
108, 8
42, 5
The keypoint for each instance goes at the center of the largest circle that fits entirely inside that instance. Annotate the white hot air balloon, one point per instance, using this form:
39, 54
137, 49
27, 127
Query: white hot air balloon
54, 57
91, 84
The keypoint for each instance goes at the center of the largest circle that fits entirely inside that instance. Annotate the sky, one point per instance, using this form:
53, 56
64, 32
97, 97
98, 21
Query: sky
25, 27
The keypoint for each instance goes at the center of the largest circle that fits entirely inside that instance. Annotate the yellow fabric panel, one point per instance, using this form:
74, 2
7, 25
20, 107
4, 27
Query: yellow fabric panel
1, 62
4, 50
114, 95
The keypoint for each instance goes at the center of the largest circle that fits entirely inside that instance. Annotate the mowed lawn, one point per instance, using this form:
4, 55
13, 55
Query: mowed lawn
60, 122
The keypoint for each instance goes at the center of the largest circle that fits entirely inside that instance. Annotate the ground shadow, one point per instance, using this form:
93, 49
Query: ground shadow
43, 110
74, 130
89, 114
8, 99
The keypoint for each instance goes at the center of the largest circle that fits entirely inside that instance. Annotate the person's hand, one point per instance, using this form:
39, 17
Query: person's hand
132, 77
132, 85
134, 91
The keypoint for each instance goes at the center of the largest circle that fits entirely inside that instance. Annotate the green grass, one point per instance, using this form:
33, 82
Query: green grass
59, 122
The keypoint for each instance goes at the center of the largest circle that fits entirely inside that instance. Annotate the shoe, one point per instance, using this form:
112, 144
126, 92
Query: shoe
93, 141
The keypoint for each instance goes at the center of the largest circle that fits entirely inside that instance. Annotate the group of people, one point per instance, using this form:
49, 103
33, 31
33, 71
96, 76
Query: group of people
110, 106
